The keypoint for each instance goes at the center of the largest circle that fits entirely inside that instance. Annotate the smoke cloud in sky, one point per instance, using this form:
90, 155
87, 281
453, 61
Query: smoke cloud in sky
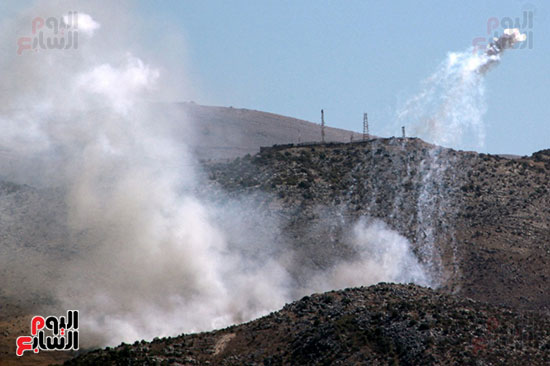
449, 108
149, 257
86, 24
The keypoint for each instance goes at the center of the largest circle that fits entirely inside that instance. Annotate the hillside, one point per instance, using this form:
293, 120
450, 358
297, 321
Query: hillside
379, 325
227, 132
480, 221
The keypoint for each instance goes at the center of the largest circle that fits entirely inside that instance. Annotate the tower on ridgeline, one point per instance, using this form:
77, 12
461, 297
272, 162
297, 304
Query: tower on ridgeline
403, 130
322, 126
365, 126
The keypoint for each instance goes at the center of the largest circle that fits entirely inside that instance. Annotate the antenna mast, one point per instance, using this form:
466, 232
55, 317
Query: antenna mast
322, 126
365, 126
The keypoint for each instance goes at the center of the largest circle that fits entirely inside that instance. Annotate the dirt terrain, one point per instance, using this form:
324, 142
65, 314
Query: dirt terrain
225, 133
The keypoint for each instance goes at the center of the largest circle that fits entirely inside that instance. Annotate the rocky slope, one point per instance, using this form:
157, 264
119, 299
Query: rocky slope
379, 325
481, 222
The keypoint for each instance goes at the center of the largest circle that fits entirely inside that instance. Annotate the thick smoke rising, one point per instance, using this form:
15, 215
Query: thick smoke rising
451, 104
382, 255
139, 252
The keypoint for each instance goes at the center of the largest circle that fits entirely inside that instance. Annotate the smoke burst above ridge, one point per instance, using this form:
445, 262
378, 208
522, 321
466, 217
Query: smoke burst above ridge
451, 104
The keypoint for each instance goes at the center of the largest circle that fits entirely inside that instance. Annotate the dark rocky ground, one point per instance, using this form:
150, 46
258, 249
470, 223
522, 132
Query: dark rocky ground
385, 324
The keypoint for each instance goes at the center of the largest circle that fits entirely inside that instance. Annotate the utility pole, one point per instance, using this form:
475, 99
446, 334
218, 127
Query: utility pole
322, 126
365, 126
403, 130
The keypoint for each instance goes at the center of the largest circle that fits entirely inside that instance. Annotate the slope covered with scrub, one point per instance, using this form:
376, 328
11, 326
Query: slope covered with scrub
379, 325
480, 222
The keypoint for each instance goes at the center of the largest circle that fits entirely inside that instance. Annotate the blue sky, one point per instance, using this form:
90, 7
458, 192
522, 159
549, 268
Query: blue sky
296, 57
347, 57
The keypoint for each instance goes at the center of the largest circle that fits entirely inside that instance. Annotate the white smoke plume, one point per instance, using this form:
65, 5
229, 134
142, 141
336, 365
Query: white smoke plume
451, 104
84, 22
148, 256
449, 111
382, 255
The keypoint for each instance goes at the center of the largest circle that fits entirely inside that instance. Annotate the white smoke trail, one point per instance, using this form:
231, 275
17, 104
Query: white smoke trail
451, 103
449, 111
